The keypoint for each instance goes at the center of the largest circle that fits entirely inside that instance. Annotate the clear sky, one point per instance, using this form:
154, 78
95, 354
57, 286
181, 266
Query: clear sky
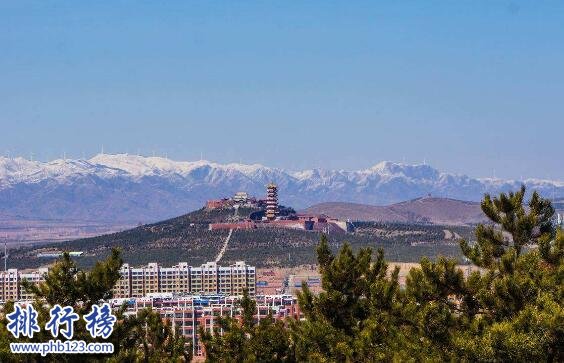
474, 87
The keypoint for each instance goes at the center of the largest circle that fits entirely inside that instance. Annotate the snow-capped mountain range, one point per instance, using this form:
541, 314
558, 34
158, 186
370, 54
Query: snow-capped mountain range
135, 188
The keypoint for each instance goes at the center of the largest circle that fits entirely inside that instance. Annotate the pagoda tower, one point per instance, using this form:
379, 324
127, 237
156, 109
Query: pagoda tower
271, 201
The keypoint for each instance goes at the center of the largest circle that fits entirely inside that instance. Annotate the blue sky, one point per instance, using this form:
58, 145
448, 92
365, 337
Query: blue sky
475, 87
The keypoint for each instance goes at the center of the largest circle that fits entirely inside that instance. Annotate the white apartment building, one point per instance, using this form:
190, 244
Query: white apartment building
207, 279
10, 280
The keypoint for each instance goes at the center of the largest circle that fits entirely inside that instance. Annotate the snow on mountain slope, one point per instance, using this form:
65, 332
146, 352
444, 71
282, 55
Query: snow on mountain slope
19, 170
143, 166
134, 188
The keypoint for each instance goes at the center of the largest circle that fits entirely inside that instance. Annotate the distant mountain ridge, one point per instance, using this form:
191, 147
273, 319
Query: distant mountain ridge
442, 211
134, 188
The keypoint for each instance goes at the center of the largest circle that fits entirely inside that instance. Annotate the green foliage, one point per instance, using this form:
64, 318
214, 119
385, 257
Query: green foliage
513, 228
247, 340
510, 309
144, 337
67, 285
188, 238
147, 337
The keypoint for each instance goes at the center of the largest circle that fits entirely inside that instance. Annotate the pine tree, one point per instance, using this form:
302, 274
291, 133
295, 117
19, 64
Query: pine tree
142, 337
146, 337
517, 303
67, 285
246, 340
357, 316
511, 308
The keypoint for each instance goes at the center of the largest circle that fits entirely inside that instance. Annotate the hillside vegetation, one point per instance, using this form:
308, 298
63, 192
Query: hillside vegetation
188, 238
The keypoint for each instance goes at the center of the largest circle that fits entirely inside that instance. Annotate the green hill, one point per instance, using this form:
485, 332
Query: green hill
187, 238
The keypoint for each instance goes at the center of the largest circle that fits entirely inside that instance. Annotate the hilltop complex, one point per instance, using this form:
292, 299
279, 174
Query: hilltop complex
271, 214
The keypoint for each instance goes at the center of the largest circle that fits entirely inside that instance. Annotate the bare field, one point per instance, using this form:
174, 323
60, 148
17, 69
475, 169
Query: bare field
16, 232
289, 280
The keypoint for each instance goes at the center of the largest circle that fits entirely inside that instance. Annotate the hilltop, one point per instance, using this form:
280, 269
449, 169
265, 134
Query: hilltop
188, 238
421, 210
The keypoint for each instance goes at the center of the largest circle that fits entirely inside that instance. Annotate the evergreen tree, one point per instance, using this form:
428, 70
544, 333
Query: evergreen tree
66, 285
245, 340
143, 337
357, 316
511, 308
146, 337
516, 305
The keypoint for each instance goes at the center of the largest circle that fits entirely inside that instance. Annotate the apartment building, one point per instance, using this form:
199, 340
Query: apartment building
207, 279
10, 280
151, 278
123, 286
243, 277
196, 283
188, 313
175, 278
136, 282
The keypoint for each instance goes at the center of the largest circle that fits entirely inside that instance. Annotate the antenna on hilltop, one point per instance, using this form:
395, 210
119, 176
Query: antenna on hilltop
5, 256
201, 156
102, 149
